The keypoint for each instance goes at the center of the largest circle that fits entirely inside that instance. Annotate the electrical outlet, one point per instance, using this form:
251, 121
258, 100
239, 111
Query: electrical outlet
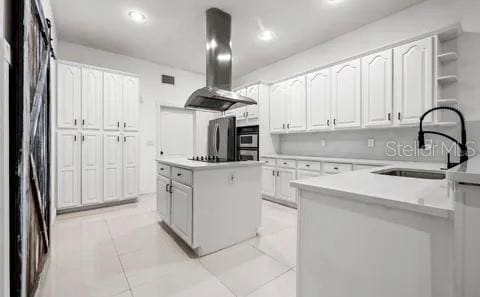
323, 142
371, 142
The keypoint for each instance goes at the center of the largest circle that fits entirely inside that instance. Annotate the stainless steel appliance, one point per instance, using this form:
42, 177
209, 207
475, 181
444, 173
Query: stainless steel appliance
218, 95
248, 155
222, 136
248, 143
248, 140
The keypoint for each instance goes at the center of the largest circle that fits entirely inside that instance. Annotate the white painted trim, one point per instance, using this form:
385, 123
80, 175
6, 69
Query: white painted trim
4, 171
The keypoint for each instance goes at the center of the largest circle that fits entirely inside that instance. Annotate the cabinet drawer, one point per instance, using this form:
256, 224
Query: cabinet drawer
183, 176
163, 169
309, 165
269, 162
333, 168
286, 163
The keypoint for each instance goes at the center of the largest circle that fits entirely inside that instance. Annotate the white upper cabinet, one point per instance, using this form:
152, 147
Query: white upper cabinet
278, 103
68, 169
413, 80
92, 168
112, 100
240, 112
252, 110
69, 84
92, 94
296, 104
131, 103
377, 89
346, 95
319, 100
112, 168
130, 166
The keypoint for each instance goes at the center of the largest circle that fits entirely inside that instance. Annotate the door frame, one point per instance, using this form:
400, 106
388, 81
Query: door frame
5, 57
158, 133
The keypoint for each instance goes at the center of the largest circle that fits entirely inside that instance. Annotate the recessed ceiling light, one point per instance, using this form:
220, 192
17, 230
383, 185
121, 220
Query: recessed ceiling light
266, 35
334, 1
137, 16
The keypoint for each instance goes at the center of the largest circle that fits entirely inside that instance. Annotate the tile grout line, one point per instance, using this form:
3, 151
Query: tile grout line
118, 257
265, 284
219, 280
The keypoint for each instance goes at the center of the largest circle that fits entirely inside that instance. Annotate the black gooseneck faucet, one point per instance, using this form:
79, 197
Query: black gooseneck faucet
462, 144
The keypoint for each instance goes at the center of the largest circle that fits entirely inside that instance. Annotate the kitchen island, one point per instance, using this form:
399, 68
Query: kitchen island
210, 206
363, 233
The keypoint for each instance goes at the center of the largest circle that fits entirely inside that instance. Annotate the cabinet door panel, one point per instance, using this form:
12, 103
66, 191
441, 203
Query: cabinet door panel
182, 215
252, 110
268, 181
69, 84
277, 108
346, 95
130, 166
296, 104
92, 96
112, 167
282, 185
112, 100
377, 88
413, 80
319, 100
163, 198
91, 168
131, 103
68, 169
241, 111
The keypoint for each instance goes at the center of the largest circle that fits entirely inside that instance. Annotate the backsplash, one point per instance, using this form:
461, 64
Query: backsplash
392, 144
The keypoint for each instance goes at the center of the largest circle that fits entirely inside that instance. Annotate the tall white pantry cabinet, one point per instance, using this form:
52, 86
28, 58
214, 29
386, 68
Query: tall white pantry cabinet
97, 135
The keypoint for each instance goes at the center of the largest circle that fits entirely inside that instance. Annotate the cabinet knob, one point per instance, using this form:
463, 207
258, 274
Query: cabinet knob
285, 163
399, 116
161, 152
179, 174
308, 165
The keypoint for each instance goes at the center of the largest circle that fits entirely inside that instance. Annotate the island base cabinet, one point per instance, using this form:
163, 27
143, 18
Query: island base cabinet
467, 240
350, 248
163, 198
182, 215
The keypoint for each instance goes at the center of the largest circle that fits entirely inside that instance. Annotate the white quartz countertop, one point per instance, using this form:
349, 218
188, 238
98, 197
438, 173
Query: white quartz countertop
467, 172
419, 195
199, 165
333, 160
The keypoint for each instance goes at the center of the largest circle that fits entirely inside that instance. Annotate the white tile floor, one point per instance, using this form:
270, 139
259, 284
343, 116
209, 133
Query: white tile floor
122, 251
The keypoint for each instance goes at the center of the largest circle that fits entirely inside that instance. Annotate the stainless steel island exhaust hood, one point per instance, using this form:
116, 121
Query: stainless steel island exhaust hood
218, 95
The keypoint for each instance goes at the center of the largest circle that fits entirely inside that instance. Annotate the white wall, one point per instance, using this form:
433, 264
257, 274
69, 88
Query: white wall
423, 18
152, 92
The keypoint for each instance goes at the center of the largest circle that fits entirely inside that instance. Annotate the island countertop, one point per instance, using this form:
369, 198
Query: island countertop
199, 165
420, 195
467, 172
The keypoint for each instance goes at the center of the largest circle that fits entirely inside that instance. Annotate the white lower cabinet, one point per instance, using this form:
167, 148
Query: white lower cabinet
182, 215
91, 168
268, 181
284, 191
164, 199
304, 174
112, 167
276, 183
68, 169
175, 202
130, 165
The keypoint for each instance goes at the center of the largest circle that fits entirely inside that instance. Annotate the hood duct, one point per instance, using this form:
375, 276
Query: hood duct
218, 95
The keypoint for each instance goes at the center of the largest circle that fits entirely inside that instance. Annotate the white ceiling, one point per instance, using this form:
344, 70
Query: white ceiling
174, 33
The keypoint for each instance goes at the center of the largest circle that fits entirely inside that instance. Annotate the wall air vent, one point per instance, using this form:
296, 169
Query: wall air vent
167, 79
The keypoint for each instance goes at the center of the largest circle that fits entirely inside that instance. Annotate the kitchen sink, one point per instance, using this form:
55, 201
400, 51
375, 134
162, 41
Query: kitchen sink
421, 174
